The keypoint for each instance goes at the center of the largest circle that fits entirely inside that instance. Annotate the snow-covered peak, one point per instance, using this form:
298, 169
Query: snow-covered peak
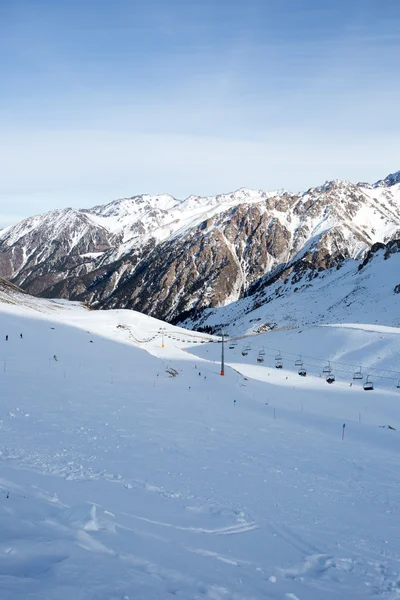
53, 221
334, 184
391, 179
135, 205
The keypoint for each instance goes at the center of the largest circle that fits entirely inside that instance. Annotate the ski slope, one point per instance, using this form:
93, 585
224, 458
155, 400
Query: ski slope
129, 472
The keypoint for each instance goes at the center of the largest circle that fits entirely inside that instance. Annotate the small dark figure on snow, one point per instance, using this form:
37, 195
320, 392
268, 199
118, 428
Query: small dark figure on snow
20, 335
6, 338
199, 374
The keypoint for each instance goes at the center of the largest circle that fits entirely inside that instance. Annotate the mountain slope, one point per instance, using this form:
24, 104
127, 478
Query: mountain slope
166, 257
351, 292
132, 471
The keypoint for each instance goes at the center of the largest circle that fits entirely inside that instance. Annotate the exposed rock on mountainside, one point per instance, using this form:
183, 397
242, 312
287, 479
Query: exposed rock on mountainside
353, 292
166, 257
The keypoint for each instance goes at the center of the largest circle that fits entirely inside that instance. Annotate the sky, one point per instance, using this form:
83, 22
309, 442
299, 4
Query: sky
101, 100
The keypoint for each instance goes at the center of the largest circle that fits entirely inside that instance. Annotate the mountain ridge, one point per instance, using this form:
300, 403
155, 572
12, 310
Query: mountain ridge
166, 256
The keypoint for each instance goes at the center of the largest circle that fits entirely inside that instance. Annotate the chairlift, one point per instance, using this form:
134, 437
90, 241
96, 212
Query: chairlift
260, 359
368, 385
398, 384
358, 374
244, 351
330, 378
302, 372
262, 351
248, 347
298, 362
278, 356
278, 365
327, 368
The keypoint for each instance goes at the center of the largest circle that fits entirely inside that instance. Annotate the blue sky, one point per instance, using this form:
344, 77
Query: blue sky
102, 99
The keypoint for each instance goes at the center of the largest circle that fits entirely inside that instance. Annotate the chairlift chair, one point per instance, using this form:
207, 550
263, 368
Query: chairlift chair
398, 384
262, 351
330, 378
358, 374
327, 368
368, 385
278, 356
260, 359
248, 347
278, 365
244, 351
302, 372
298, 362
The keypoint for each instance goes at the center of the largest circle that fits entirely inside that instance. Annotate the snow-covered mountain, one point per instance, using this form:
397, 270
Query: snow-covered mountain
365, 291
169, 257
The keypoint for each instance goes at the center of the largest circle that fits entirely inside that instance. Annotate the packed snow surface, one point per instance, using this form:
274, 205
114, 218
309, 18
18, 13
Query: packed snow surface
132, 471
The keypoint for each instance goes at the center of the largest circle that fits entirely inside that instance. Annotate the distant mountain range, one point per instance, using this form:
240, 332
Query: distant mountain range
173, 258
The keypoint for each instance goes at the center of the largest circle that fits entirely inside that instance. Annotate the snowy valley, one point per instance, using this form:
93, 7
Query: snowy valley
136, 471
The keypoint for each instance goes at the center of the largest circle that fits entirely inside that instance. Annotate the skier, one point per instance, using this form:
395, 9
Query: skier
6, 338
20, 335
199, 374
55, 357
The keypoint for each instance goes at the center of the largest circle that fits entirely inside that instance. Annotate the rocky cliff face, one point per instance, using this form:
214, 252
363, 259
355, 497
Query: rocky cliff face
168, 257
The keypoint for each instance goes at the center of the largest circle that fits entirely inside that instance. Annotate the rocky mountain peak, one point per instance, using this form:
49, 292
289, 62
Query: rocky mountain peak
390, 180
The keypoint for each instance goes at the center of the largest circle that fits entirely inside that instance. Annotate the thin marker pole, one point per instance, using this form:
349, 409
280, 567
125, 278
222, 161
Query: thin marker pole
222, 356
